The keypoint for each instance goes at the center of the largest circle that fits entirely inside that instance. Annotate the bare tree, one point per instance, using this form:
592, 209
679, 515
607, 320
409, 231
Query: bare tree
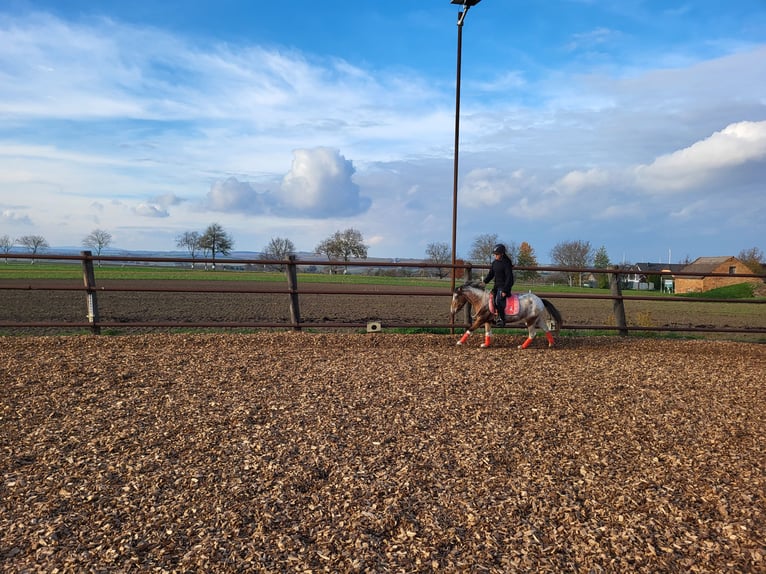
342, 245
439, 253
189, 240
216, 240
279, 248
98, 240
6, 244
482, 246
753, 258
573, 254
34, 243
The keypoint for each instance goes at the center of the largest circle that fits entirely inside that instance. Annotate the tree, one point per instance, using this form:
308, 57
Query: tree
6, 244
753, 258
98, 239
526, 258
439, 254
279, 248
342, 245
481, 248
601, 261
189, 240
34, 243
573, 254
216, 240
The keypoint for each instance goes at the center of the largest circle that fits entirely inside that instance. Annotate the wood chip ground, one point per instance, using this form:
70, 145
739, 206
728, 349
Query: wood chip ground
299, 452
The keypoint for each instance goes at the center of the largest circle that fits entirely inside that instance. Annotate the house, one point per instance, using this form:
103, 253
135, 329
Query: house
703, 266
639, 276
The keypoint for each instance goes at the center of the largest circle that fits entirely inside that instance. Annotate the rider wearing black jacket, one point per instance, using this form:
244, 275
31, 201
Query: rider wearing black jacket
502, 272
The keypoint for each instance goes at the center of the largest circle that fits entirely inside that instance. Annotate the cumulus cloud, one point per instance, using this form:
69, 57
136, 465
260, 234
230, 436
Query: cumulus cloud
167, 200
319, 184
735, 145
489, 187
578, 180
233, 196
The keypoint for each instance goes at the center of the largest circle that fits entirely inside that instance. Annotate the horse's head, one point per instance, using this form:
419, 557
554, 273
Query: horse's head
458, 301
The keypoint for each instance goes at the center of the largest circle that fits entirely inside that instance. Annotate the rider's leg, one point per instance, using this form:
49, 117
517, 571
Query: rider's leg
500, 306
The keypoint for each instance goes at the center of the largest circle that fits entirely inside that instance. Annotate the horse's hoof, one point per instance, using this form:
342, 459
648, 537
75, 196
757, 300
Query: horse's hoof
520, 347
483, 346
459, 343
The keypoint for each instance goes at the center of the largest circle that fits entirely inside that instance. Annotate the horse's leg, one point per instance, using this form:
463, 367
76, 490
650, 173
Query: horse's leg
487, 335
530, 337
544, 327
548, 334
475, 325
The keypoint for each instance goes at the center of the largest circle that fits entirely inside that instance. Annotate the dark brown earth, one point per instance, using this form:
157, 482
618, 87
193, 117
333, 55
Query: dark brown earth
33, 305
300, 452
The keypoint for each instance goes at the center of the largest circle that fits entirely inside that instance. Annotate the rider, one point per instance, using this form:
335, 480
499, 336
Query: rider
502, 272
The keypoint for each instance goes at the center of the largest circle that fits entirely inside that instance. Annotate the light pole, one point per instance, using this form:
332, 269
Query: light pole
466, 4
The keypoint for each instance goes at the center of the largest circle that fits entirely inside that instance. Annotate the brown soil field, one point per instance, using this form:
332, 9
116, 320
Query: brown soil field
32, 305
306, 452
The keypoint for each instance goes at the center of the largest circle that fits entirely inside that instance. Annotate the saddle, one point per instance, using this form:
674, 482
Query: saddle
511, 305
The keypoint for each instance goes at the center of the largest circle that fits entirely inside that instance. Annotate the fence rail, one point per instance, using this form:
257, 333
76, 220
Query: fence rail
293, 291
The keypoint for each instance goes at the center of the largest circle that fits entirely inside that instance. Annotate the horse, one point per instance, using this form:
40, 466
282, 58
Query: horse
531, 310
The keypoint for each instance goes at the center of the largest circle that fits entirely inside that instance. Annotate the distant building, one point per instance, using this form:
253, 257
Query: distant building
703, 266
638, 276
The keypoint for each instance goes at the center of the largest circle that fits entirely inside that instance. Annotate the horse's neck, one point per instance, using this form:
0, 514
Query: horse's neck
477, 297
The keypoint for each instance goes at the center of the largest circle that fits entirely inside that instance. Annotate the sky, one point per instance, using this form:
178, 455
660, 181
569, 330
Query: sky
639, 126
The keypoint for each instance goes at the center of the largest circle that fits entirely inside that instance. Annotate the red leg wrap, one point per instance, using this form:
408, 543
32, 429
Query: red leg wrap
526, 343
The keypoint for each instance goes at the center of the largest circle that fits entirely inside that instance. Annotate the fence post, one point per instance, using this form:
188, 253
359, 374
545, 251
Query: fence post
89, 278
469, 307
618, 305
292, 285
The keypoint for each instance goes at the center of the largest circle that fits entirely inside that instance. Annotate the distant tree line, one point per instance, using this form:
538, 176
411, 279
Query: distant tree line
348, 244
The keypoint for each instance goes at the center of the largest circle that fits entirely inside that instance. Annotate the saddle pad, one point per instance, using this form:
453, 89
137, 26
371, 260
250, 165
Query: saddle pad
511, 305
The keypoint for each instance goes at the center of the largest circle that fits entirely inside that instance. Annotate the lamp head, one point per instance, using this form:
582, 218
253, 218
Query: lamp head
466, 3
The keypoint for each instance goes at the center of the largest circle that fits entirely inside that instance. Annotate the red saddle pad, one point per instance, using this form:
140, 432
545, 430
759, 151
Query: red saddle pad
511, 305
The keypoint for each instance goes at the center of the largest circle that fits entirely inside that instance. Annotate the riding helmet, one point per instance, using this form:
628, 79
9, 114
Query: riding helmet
498, 249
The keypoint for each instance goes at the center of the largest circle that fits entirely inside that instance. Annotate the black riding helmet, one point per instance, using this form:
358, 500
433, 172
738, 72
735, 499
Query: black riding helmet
499, 249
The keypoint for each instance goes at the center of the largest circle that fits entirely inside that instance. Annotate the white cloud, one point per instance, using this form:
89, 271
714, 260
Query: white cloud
319, 184
232, 195
684, 169
150, 210
576, 181
488, 187
11, 217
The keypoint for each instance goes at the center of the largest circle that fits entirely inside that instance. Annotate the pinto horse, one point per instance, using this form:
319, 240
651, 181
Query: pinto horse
531, 310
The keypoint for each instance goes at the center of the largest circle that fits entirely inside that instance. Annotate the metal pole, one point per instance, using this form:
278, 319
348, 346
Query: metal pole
460, 18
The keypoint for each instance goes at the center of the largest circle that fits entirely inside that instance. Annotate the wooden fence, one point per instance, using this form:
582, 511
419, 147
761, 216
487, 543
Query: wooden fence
292, 292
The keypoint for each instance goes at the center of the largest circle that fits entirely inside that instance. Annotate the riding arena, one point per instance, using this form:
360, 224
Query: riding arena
337, 452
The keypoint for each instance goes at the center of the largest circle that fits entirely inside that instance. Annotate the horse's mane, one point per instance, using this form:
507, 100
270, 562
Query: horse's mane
474, 284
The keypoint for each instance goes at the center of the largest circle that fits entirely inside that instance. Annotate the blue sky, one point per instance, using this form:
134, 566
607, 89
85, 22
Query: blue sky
636, 125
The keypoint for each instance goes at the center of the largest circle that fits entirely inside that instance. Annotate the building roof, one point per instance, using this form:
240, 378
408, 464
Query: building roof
705, 265
656, 267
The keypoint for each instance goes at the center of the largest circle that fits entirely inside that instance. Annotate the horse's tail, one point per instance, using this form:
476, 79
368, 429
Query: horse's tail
554, 313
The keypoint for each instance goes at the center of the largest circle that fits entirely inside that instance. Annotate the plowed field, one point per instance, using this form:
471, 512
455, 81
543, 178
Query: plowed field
31, 301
